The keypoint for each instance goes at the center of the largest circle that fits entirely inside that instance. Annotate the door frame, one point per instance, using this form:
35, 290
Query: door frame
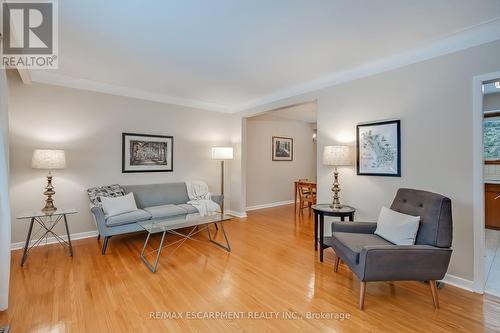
478, 179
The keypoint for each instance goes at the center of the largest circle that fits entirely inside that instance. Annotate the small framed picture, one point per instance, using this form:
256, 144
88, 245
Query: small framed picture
282, 149
147, 153
379, 149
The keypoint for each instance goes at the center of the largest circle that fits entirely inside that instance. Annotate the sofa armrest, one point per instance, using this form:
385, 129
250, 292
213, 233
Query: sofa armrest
399, 263
100, 220
354, 227
217, 198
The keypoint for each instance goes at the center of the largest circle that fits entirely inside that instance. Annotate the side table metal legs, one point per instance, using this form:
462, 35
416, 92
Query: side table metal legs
321, 238
26, 245
315, 231
48, 227
69, 238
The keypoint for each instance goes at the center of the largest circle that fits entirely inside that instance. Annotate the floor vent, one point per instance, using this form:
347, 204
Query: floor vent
4, 329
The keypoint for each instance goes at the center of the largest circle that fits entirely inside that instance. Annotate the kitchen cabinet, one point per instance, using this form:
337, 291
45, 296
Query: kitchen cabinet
492, 206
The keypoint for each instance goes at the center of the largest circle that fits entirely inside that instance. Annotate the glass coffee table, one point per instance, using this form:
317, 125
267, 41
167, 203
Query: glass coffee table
195, 222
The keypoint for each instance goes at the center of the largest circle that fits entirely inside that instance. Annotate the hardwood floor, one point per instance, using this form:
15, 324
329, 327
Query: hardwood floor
272, 269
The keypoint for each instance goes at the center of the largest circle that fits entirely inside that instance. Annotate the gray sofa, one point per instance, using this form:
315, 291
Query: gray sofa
154, 201
373, 258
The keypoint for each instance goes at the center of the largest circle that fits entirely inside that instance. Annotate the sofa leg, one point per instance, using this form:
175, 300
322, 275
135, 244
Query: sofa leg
362, 291
336, 264
105, 244
434, 292
99, 237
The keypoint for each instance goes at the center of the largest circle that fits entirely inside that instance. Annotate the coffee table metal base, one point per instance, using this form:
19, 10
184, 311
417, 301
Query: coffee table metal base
194, 230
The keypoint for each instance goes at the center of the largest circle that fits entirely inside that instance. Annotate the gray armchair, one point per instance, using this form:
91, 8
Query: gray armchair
372, 258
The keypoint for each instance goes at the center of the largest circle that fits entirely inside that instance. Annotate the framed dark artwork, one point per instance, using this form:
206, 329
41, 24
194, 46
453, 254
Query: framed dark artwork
282, 149
147, 153
379, 149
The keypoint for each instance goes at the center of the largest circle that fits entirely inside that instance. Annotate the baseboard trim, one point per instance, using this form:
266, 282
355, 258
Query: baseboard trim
459, 282
236, 214
270, 205
53, 240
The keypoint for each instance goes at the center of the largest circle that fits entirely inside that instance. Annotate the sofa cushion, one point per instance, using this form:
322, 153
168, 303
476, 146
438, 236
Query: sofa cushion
118, 205
158, 194
350, 244
189, 208
165, 211
127, 218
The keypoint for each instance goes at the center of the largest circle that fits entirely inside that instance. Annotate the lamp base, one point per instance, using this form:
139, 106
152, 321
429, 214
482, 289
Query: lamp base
49, 192
336, 189
338, 206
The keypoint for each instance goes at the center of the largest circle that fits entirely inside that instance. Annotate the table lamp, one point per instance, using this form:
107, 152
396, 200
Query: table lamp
222, 154
49, 159
336, 156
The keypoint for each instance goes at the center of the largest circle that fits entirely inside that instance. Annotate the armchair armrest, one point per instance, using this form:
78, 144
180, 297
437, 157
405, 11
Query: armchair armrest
354, 227
398, 263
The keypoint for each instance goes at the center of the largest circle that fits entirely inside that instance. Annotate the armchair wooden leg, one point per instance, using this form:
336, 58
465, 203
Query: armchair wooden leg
362, 291
434, 292
336, 265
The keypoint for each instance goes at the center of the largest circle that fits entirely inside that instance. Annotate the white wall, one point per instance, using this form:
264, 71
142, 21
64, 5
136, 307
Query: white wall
271, 181
433, 99
5, 230
88, 126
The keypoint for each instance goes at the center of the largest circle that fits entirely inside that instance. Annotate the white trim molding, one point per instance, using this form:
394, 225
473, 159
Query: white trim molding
236, 214
270, 205
53, 240
476, 35
479, 34
459, 282
106, 88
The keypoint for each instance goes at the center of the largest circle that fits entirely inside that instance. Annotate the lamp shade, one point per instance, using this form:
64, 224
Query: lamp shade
337, 155
222, 153
48, 159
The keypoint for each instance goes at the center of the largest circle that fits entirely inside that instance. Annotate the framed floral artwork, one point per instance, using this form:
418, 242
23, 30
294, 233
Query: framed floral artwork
379, 149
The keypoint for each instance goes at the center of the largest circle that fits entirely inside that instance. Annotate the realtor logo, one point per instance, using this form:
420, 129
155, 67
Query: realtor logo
29, 30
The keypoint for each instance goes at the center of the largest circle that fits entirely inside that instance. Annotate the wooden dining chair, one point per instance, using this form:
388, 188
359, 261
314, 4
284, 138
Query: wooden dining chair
307, 195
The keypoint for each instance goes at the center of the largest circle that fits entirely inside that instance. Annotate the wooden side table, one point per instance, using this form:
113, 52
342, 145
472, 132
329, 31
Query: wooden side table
46, 223
322, 210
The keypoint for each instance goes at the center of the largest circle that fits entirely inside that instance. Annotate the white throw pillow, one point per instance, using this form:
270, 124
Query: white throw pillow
118, 205
397, 228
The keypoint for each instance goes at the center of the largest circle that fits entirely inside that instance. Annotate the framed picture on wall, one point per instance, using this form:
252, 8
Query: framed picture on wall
379, 149
282, 149
147, 153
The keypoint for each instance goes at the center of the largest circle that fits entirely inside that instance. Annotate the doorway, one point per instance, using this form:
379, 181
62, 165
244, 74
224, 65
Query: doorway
491, 177
486, 180
280, 149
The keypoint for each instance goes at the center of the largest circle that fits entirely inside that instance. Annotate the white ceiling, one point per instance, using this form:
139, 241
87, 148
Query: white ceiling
302, 112
226, 55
